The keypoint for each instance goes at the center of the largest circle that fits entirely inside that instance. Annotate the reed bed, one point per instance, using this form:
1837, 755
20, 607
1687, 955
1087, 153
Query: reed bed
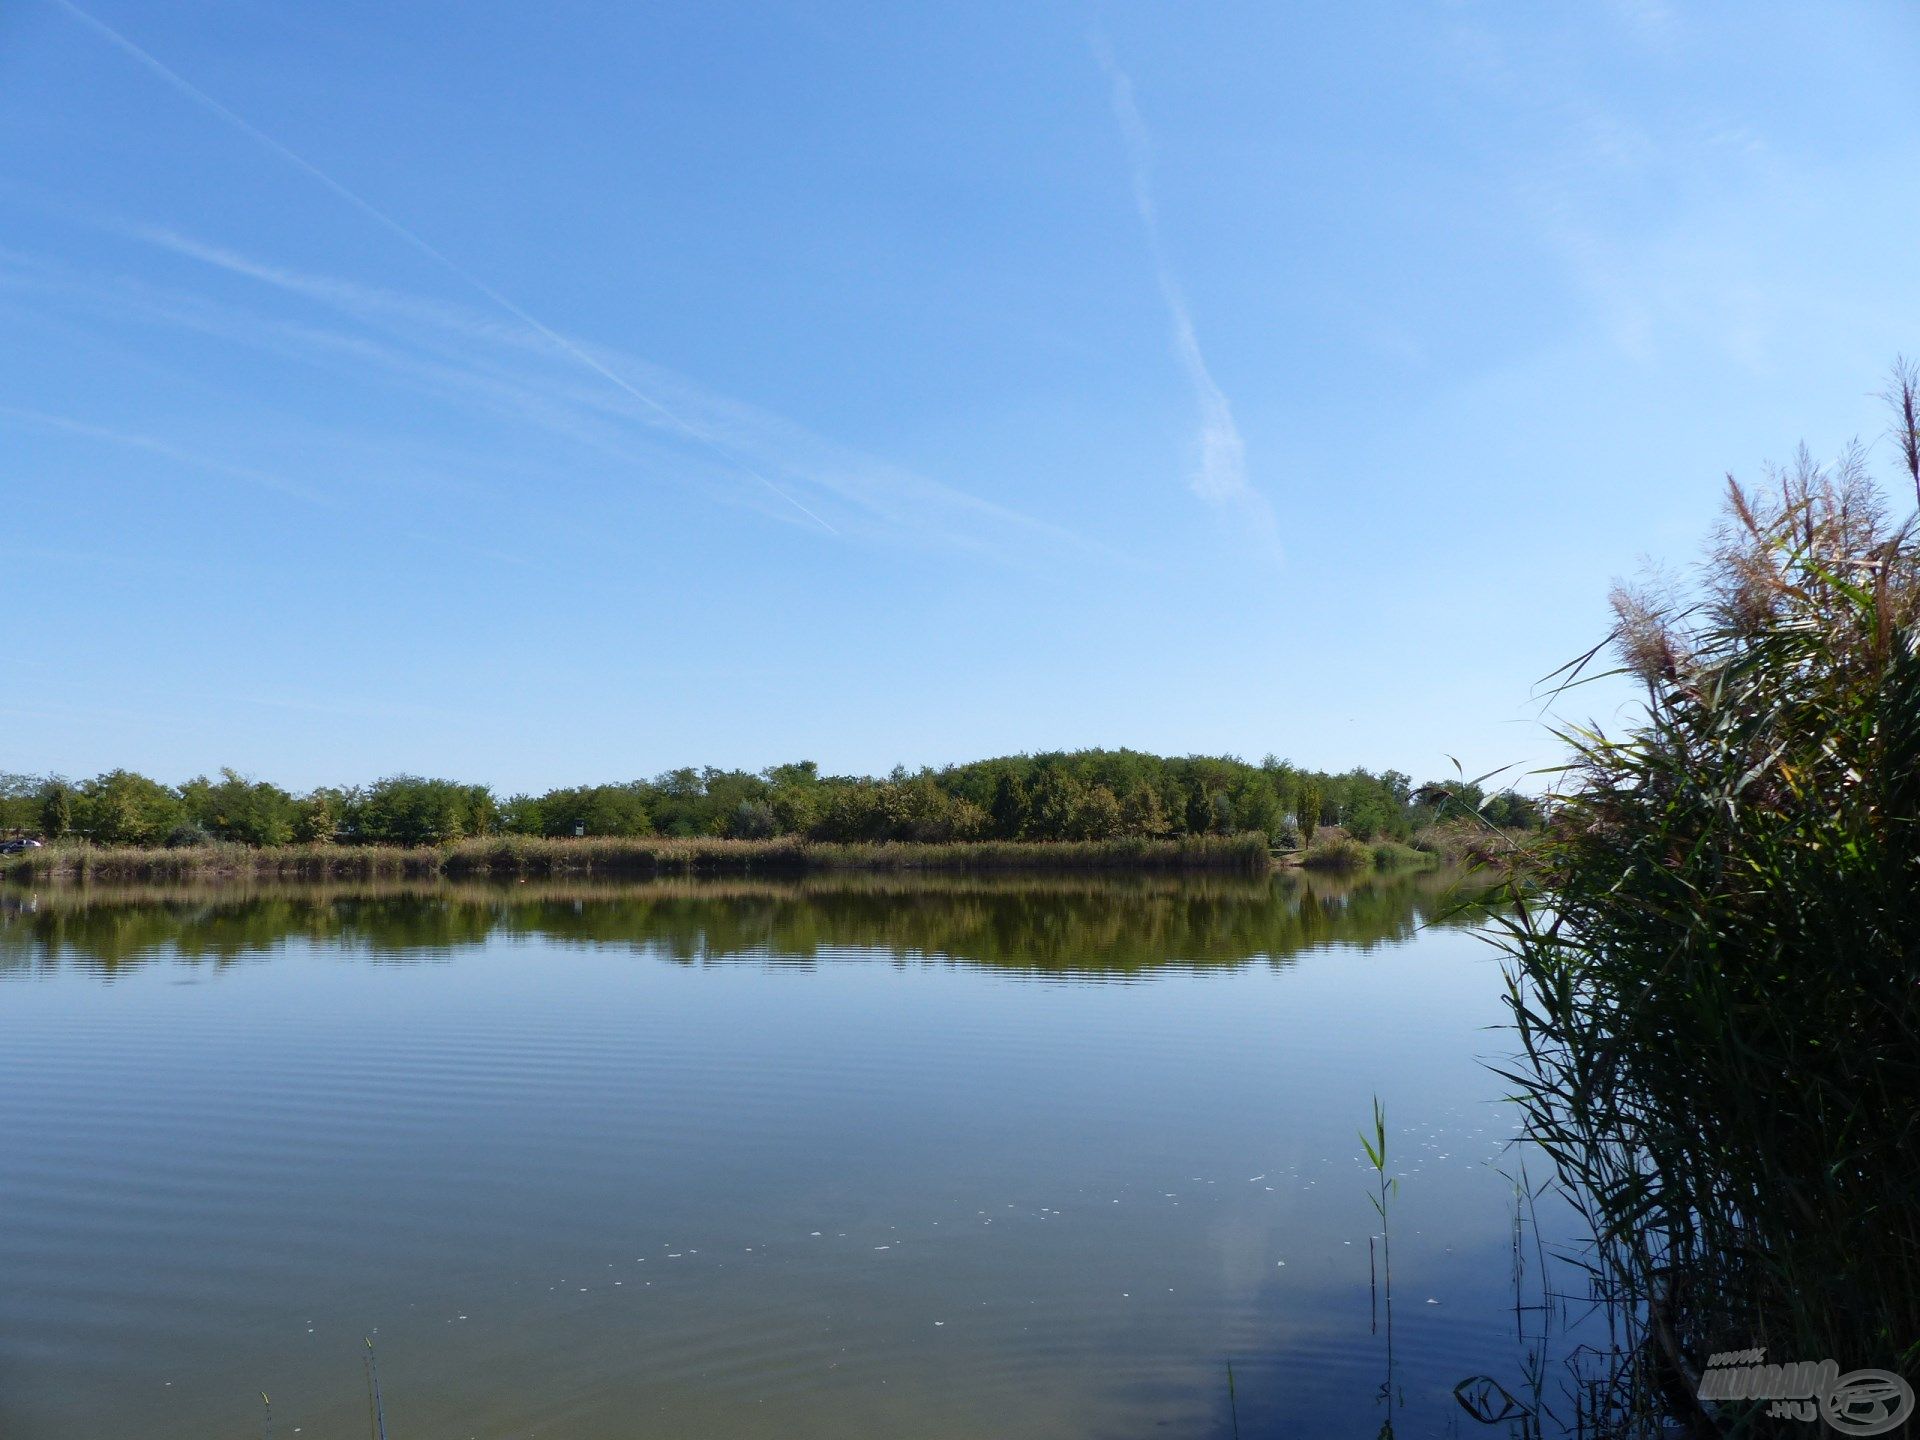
526, 856
1717, 993
1334, 850
1471, 841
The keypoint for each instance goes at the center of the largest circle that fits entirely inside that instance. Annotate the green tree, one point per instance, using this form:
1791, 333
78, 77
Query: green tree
317, 819
522, 815
801, 773
752, 820
1306, 810
123, 808
1052, 804
56, 811
236, 808
1368, 816
1196, 810
1141, 812
1098, 815
410, 810
679, 805
595, 810
1511, 810
1256, 802
1007, 811
795, 808
21, 798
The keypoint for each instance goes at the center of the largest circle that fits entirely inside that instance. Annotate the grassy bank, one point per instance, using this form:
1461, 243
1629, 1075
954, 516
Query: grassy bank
1460, 844
512, 857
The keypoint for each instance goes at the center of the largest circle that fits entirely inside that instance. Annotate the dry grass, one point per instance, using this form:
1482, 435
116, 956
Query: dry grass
514, 856
1334, 849
1472, 842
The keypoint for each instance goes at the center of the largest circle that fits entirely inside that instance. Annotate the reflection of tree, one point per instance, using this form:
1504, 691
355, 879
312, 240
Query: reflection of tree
1110, 925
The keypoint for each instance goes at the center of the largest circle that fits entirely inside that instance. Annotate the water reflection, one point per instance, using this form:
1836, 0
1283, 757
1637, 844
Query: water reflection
1076, 925
1027, 1157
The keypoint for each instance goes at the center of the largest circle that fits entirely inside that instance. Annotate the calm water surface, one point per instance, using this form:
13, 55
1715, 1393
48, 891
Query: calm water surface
1006, 1158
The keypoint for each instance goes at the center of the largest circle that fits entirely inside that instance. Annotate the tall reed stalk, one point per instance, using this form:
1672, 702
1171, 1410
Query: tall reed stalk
1384, 1190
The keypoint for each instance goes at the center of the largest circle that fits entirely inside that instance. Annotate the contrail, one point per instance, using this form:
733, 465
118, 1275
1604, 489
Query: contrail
1221, 479
158, 447
373, 212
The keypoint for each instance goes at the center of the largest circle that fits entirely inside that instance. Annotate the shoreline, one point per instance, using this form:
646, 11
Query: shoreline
516, 857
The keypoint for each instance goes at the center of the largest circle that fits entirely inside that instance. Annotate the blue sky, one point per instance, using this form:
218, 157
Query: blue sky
552, 393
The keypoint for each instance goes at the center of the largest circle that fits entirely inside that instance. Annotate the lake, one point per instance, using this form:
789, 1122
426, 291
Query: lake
1006, 1157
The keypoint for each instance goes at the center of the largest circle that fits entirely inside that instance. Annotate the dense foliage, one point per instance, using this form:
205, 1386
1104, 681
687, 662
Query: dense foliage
1720, 998
1082, 795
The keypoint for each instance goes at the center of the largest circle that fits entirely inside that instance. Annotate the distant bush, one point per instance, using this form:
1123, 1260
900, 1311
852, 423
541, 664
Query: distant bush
1332, 850
1392, 855
752, 820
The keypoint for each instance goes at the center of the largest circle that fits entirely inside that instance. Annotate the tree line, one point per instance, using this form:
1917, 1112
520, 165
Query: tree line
1078, 795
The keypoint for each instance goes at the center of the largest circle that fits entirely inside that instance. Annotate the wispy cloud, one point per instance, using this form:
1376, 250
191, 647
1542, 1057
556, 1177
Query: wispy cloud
656, 423
152, 445
1662, 216
586, 391
405, 233
1220, 473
